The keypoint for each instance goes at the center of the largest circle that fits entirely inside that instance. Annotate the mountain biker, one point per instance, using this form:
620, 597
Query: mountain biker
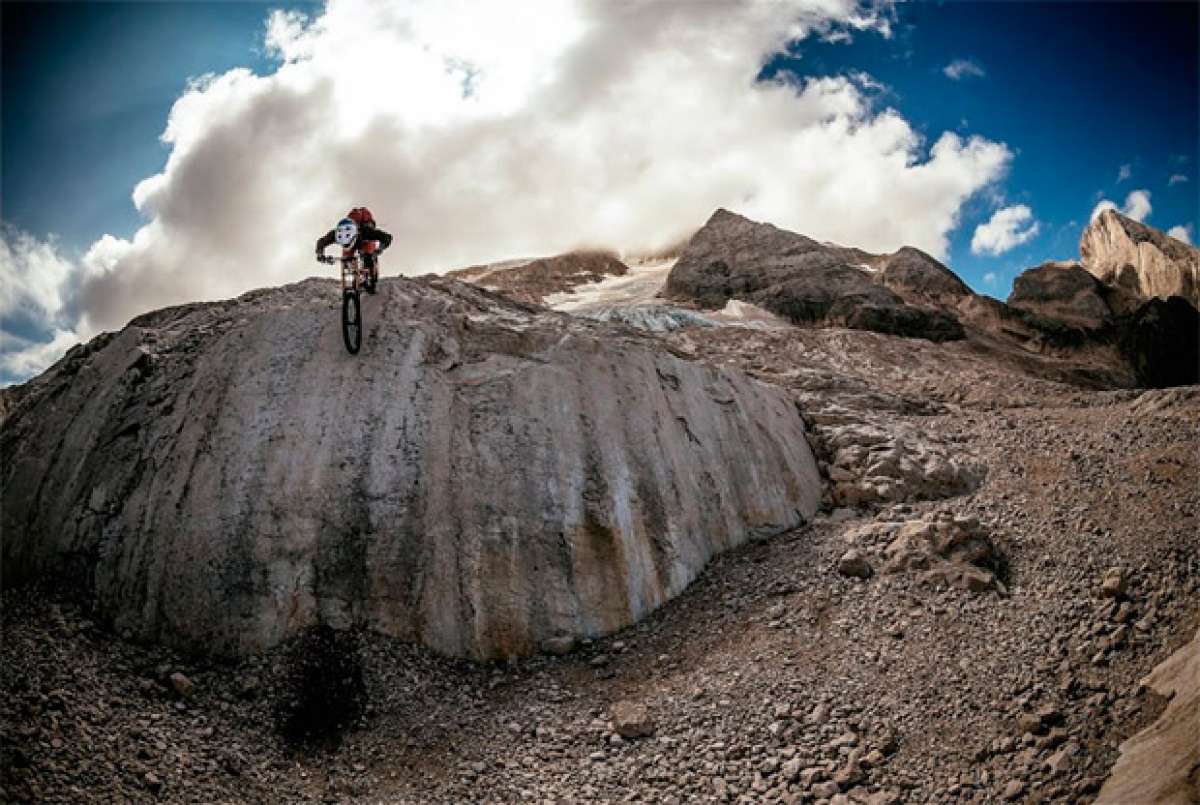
357, 233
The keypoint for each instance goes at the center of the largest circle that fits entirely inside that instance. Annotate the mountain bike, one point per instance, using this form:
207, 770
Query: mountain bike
355, 277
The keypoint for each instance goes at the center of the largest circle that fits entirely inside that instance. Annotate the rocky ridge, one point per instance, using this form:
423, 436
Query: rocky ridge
803, 281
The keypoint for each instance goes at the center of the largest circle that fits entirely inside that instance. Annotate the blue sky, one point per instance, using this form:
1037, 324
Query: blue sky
1076, 90
627, 139
87, 88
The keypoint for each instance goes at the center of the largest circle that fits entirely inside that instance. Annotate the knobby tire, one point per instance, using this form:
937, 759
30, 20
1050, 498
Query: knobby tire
351, 321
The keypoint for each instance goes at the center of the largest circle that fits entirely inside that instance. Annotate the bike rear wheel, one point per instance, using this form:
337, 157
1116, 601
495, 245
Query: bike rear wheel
351, 321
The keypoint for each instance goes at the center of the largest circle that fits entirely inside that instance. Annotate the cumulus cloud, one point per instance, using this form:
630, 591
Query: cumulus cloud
37, 308
959, 69
612, 124
1181, 232
1007, 229
33, 277
1137, 206
991, 279
25, 357
1124, 172
1176, 178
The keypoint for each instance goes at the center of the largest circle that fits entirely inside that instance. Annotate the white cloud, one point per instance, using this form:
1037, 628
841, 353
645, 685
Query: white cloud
37, 284
1181, 232
1137, 206
1124, 173
1006, 229
991, 278
959, 69
33, 277
1176, 178
21, 357
615, 124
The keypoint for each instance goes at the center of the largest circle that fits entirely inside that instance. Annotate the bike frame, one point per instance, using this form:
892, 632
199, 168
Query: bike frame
354, 273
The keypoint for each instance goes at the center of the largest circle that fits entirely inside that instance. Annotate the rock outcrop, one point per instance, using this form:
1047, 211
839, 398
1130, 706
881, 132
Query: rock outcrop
796, 277
532, 281
919, 279
1140, 259
1161, 764
1062, 291
485, 477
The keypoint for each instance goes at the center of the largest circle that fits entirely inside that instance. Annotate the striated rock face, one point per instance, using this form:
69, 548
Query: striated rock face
804, 281
484, 477
1063, 291
1161, 764
1140, 258
532, 281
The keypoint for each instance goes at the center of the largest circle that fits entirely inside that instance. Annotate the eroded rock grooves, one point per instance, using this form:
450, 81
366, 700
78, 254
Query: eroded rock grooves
484, 477
1140, 259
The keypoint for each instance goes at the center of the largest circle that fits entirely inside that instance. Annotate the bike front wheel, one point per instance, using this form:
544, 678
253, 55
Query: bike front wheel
351, 322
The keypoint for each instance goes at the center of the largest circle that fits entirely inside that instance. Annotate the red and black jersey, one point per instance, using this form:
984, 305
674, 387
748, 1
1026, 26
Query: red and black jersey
367, 234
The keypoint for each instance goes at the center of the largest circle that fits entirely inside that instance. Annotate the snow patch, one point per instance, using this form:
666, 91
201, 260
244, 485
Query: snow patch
640, 286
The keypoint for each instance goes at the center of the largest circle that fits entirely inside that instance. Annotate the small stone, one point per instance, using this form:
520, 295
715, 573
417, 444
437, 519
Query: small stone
1063, 761
826, 790
855, 565
1014, 790
1114, 584
1030, 723
873, 759
153, 783
632, 720
811, 776
819, 714
599, 661
791, 769
183, 686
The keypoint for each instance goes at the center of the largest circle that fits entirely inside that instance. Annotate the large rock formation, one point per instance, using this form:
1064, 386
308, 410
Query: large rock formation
804, 281
919, 279
485, 477
1140, 258
1161, 764
1062, 291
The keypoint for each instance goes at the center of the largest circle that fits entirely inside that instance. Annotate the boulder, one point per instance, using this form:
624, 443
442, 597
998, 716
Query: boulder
955, 552
1140, 259
484, 477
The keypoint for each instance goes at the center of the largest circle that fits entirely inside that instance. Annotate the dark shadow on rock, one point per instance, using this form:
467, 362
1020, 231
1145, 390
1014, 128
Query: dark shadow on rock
322, 693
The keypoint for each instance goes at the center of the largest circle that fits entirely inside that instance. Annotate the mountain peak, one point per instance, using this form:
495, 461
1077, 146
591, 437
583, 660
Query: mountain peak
1139, 258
